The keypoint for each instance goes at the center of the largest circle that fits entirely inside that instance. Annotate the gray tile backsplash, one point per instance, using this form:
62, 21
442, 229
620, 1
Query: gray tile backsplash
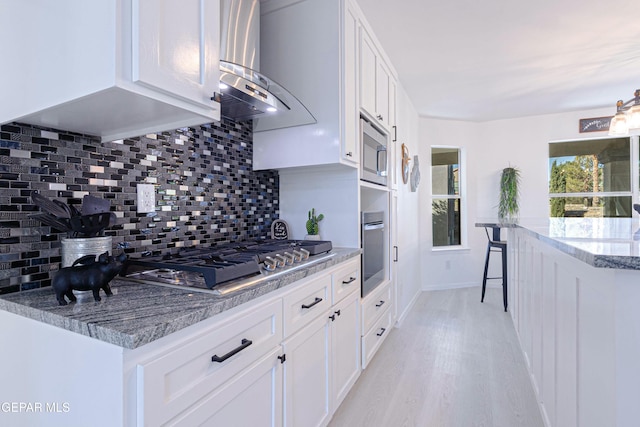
206, 192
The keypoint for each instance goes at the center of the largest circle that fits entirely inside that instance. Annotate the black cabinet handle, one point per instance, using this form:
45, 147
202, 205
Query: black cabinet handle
350, 154
332, 317
395, 133
351, 280
381, 332
337, 312
318, 300
244, 344
379, 117
282, 358
380, 305
395, 250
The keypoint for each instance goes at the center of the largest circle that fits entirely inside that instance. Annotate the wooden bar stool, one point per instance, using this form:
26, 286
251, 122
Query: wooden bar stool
495, 245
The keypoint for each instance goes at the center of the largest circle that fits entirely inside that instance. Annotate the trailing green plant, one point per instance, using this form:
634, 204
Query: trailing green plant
312, 222
509, 193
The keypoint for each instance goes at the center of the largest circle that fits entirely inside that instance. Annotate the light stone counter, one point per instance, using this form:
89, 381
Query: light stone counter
599, 242
138, 314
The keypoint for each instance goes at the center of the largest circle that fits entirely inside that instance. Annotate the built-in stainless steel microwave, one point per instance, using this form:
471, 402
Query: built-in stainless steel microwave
373, 154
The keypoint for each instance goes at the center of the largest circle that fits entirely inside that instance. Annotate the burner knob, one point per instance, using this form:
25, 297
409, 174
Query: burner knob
289, 257
270, 264
305, 253
297, 255
280, 261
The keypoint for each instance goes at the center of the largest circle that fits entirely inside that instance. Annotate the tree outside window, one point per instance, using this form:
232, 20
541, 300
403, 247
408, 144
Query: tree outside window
590, 178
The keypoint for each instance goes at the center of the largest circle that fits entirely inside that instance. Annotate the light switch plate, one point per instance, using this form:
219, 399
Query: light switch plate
146, 198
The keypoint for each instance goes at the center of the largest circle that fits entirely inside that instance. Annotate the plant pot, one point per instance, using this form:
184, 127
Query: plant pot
72, 249
312, 237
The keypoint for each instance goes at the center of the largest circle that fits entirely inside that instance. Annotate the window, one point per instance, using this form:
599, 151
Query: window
446, 196
590, 178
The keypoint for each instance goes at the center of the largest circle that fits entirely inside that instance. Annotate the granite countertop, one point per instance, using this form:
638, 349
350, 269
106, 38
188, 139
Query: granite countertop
599, 242
138, 314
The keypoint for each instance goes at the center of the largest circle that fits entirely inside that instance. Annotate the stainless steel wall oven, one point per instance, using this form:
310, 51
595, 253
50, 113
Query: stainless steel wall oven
373, 265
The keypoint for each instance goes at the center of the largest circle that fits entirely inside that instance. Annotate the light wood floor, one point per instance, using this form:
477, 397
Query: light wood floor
453, 362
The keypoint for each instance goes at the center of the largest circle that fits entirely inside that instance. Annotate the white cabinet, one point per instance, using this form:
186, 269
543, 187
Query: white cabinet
169, 384
377, 83
310, 47
235, 369
113, 69
377, 319
306, 373
323, 352
253, 399
345, 346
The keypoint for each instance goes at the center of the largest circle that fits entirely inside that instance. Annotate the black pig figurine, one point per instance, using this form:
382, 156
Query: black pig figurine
89, 275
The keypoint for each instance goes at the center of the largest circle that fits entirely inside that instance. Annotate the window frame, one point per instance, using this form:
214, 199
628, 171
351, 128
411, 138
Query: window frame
461, 196
634, 175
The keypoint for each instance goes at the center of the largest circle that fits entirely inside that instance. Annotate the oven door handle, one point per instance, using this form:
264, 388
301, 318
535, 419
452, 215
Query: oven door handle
368, 227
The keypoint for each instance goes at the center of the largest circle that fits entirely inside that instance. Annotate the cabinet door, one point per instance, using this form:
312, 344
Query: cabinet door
382, 92
306, 375
253, 398
345, 346
351, 123
367, 74
176, 47
171, 383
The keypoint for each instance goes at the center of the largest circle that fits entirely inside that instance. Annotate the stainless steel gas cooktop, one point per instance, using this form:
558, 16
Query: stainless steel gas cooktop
225, 268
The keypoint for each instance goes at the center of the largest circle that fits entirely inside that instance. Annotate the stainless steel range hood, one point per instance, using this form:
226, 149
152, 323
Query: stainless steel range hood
245, 93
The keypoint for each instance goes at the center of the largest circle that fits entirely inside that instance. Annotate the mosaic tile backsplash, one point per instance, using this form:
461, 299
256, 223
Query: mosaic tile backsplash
206, 192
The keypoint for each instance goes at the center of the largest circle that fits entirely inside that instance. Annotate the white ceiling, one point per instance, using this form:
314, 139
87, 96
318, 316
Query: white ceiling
493, 59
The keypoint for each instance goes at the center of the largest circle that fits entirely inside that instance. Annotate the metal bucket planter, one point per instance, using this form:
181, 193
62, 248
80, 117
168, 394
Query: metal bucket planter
72, 249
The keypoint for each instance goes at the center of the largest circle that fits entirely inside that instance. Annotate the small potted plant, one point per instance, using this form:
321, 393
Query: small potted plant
313, 229
508, 207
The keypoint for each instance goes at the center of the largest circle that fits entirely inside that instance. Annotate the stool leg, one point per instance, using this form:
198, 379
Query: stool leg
504, 277
486, 270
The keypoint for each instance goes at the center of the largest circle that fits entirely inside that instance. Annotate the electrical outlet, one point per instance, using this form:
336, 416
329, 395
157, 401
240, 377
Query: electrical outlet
146, 198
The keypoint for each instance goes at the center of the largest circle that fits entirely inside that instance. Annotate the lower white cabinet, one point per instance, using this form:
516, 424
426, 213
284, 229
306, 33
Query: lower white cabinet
377, 320
345, 346
253, 399
170, 383
306, 373
239, 368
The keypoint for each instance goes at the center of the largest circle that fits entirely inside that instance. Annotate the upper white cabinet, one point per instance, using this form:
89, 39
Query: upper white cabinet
377, 83
113, 69
310, 47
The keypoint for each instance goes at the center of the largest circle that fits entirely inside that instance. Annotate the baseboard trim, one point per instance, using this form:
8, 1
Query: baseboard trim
442, 287
406, 311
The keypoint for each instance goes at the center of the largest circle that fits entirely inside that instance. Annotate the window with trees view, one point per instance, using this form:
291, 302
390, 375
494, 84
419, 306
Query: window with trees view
590, 178
446, 198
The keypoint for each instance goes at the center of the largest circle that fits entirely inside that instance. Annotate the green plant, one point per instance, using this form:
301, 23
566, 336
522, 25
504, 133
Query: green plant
509, 193
312, 222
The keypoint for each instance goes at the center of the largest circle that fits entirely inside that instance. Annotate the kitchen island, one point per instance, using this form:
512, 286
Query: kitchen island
574, 288
150, 353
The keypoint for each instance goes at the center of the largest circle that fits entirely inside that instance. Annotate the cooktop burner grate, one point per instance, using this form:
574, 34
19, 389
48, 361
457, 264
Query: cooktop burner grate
227, 262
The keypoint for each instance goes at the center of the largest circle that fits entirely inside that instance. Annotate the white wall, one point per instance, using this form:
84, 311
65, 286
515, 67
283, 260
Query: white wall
410, 220
489, 147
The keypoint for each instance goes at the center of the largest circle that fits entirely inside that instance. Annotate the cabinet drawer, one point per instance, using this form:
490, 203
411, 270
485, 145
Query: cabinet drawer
345, 280
246, 400
306, 303
374, 305
373, 339
169, 384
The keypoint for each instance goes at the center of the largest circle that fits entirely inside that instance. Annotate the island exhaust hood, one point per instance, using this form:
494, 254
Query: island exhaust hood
245, 93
